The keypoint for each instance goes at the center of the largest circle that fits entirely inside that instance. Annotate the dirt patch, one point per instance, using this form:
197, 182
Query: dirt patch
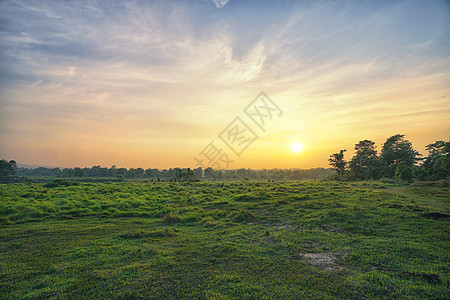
323, 260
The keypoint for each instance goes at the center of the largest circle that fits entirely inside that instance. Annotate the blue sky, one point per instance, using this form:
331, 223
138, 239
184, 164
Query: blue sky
151, 83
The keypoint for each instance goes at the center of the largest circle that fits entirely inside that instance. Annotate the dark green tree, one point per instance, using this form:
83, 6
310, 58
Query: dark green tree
437, 163
404, 171
78, 172
178, 174
397, 149
7, 169
441, 168
420, 173
365, 164
67, 173
189, 175
210, 173
183, 175
198, 173
337, 162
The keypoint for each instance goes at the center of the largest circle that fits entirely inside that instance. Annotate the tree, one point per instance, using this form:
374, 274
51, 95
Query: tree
210, 173
419, 173
337, 162
189, 176
121, 171
7, 168
183, 175
397, 149
365, 164
437, 163
441, 168
78, 172
177, 175
198, 173
67, 173
404, 171
12, 167
437, 148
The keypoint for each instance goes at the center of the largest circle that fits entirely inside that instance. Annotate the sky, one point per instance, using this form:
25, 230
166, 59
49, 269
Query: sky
163, 84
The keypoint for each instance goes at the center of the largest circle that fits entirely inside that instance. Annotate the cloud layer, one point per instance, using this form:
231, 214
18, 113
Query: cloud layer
151, 83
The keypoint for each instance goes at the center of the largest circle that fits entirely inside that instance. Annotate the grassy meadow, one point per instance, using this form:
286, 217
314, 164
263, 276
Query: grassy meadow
224, 240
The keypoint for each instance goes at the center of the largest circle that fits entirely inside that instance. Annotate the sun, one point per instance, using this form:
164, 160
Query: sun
296, 147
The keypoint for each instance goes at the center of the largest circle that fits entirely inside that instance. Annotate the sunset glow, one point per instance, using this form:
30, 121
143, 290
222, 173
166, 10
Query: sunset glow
297, 147
151, 83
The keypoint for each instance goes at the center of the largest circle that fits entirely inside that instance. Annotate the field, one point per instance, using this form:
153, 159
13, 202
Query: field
220, 240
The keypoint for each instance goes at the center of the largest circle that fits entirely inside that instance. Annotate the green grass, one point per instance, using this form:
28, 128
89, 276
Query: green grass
315, 240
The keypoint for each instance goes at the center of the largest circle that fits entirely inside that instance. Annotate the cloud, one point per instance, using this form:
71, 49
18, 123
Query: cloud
220, 3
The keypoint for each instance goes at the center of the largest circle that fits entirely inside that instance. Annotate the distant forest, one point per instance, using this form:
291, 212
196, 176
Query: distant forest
10, 170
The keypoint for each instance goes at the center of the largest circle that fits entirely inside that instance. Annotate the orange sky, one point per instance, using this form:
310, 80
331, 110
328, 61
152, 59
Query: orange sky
152, 84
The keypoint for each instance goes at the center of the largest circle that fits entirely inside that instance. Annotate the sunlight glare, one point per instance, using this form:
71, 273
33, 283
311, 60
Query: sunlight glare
296, 147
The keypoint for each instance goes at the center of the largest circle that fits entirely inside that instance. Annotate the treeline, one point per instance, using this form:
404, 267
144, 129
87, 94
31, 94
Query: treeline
396, 159
176, 174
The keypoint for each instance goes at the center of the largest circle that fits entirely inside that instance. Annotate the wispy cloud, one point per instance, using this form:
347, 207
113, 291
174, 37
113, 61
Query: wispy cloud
220, 3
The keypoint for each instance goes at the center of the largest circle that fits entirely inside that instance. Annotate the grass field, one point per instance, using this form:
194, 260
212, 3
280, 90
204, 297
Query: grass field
220, 240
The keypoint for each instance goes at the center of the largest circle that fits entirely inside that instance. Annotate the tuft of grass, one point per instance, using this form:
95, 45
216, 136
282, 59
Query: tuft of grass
171, 218
245, 217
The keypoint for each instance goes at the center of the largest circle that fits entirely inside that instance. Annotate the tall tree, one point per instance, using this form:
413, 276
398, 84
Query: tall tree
337, 162
7, 168
437, 163
397, 149
365, 164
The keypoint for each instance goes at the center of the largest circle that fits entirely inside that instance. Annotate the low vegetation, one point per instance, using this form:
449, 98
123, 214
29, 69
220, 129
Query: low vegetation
219, 240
